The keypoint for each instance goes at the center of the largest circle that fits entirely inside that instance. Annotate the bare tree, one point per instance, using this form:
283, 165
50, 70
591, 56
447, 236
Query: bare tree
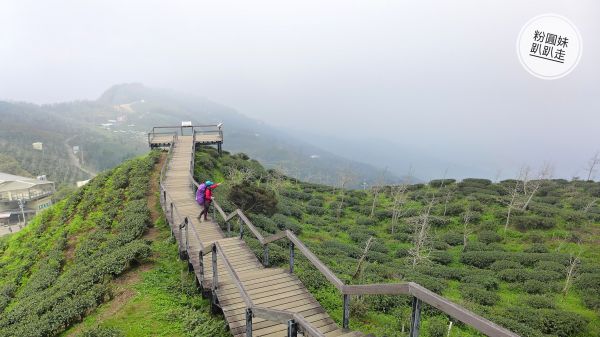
376, 189
524, 176
345, 178
544, 174
594, 161
422, 240
237, 176
589, 205
399, 198
276, 182
447, 197
467, 229
574, 262
514, 191
359, 268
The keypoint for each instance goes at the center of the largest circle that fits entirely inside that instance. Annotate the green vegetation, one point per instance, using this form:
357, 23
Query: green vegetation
59, 127
97, 257
515, 277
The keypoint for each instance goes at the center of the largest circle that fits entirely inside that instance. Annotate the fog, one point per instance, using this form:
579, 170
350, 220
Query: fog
436, 85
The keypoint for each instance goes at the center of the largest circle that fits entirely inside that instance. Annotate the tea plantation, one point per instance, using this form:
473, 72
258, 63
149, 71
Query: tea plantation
64, 272
537, 274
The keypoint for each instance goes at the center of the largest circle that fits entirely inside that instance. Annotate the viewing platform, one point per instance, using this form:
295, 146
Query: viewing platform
165, 136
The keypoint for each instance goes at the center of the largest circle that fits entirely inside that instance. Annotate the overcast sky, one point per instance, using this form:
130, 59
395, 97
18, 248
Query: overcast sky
439, 77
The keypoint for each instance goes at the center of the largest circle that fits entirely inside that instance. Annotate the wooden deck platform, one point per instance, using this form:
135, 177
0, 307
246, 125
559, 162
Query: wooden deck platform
200, 134
272, 288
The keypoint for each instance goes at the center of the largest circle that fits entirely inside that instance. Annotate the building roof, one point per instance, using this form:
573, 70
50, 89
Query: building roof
9, 182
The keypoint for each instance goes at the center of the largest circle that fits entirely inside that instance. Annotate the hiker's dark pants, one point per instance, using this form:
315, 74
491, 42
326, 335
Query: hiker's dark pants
205, 210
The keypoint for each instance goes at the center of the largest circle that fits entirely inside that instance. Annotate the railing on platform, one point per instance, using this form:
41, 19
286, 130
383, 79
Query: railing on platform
297, 322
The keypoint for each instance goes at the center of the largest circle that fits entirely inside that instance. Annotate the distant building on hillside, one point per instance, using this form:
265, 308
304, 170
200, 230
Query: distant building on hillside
82, 182
38, 146
23, 196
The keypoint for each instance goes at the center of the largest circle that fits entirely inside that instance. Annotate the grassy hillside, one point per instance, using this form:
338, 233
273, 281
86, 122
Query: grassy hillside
59, 130
101, 263
515, 277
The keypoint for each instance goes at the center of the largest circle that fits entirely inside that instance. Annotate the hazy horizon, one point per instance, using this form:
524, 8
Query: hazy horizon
434, 85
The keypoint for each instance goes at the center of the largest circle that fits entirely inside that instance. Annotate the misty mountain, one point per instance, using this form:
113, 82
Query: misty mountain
113, 128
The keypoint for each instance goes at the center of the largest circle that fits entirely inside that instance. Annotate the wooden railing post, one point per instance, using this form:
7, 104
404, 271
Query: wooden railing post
292, 328
228, 229
266, 256
248, 322
187, 241
346, 317
241, 228
415, 318
180, 243
201, 267
291, 257
215, 279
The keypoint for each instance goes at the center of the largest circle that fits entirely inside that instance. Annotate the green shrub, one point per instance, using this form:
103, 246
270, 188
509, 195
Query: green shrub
441, 182
533, 222
535, 287
364, 221
505, 264
485, 281
540, 302
551, 266
452, 209
437, 327
283, 222
488, 237
549, 321
537, 248
402, 252
479, 295
252, 198
441, 257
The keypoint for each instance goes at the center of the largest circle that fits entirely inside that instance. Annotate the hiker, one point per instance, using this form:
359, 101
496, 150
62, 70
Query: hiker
209, 186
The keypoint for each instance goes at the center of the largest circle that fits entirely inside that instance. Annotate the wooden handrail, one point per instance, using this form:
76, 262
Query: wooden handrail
234, 276
315, 260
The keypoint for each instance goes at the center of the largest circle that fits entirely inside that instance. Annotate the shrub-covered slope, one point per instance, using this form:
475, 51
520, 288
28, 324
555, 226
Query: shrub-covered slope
96, 256
539, 277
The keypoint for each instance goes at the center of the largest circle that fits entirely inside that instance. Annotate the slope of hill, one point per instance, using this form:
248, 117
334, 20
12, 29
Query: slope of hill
112, 129
272, 147
538, 276
102, 255
23, 124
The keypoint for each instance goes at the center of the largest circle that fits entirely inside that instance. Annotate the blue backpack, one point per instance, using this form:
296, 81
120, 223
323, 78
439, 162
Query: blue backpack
200, 194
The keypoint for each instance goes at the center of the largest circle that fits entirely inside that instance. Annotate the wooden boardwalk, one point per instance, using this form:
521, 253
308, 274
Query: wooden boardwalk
272, 288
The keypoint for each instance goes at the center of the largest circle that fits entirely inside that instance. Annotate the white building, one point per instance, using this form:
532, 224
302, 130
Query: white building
33, 194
